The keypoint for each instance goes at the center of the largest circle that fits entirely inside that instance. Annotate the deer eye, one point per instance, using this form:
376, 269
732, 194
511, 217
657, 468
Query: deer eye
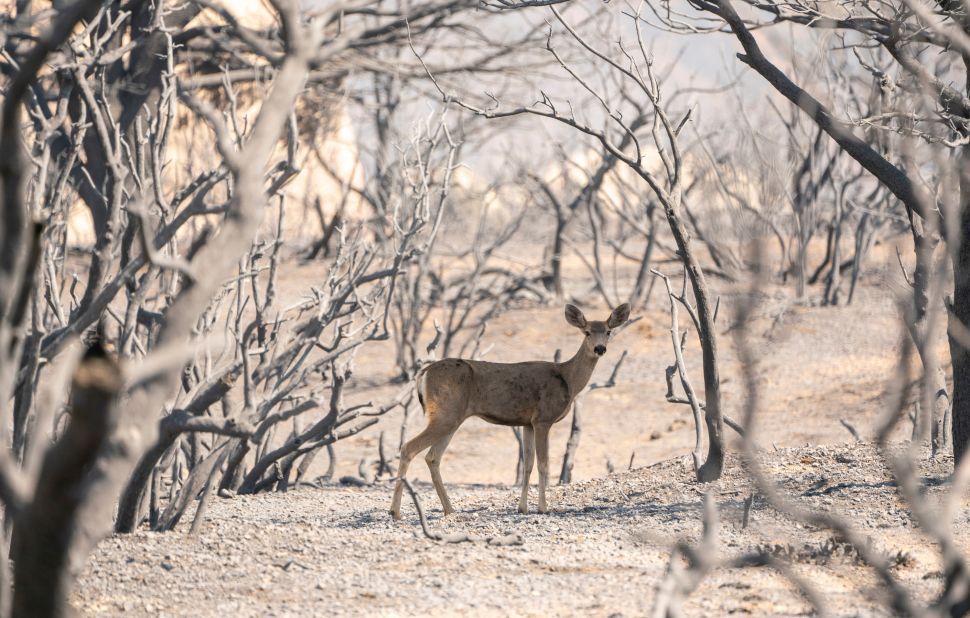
587, 333
608, 333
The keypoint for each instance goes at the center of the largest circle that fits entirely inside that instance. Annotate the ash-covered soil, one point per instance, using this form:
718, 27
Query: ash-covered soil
601, 552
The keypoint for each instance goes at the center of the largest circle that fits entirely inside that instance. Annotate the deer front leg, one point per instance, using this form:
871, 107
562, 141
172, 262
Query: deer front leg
417, 444
529, 448
542, 454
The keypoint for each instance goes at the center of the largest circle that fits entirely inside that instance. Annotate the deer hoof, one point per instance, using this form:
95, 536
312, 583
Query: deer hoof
523, 509
395, 515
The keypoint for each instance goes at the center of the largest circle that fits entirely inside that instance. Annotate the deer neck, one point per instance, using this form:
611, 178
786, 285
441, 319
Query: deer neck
578, 369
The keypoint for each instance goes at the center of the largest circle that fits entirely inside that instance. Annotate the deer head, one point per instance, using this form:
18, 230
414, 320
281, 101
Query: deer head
597, 333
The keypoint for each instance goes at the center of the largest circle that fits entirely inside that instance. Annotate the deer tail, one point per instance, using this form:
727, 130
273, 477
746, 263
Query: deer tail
419, 383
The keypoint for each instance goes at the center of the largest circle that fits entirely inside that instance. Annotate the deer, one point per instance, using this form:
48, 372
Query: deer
533, 395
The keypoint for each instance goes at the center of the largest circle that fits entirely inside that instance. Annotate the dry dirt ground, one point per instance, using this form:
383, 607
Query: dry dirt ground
605, 548
601, 552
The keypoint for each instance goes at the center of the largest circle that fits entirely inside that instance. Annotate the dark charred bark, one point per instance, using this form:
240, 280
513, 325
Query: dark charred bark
639, 292
960, 320
45, 530
714, 463
169, 428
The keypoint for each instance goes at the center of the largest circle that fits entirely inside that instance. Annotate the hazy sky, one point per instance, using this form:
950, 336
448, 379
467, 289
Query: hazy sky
702, 61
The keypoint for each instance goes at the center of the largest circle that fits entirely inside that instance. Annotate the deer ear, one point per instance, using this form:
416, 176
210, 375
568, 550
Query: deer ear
619, 316
575, 317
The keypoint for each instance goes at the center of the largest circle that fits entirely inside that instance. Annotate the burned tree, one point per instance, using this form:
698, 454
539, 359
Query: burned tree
177, 300
929, 111
626, 140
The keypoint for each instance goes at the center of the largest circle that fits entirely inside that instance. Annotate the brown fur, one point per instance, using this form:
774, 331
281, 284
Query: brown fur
534, 395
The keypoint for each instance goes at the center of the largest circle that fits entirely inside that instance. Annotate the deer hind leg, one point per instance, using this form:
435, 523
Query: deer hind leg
529, 448
435, 453
542, 454
418, 443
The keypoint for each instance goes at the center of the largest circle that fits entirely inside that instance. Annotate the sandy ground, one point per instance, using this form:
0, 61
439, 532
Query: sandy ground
602, 551
605, 548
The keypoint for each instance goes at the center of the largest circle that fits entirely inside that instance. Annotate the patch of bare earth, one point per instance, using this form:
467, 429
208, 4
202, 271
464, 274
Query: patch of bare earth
605, 547
817, 366
601, 552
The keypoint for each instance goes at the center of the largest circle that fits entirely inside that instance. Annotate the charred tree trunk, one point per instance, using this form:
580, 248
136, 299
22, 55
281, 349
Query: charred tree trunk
639, 292
711, 469
935, 399
520, 460
834, 279
828, 256
960, 319
129, 509
555, 260
169, 429
566, 475
860, 254
322, 247
45, 530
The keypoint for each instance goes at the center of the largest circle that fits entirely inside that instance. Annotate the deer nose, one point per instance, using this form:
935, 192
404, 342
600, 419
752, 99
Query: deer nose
600, 350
